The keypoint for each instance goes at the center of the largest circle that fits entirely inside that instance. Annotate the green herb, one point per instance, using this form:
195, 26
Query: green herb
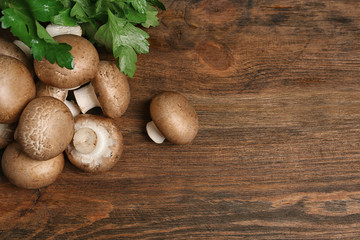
111, 23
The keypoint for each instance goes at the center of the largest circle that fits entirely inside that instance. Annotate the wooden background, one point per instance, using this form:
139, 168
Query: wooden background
276, 86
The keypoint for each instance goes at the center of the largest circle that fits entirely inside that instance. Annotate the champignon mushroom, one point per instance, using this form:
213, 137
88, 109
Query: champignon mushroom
97, 144
6, 134
17, 88
109, 90
12, 50
86, 61
24, 172
43, 89
45, 128
55, 30
173, 118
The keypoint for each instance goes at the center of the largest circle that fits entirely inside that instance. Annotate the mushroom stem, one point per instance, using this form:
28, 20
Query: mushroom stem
23, 47
74, 109
55, 30
86, 98
85, 140
154, 133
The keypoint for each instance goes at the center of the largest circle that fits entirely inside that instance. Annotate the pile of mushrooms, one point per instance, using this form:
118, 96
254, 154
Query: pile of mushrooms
41, 123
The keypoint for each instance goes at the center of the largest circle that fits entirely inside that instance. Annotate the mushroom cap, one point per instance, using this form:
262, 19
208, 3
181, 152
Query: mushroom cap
45, 128
112, 89
175, 117
86, 61
109, 145
25, 172
10, 49
43, 89
17, 88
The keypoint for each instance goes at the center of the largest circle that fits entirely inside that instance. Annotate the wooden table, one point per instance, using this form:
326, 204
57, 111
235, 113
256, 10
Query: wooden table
276, 87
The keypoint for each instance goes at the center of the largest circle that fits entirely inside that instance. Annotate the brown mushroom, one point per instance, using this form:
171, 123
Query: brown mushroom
86, 61
45, 128
97, 144
24, 172
12, 50
17, 88
43, 89
109, 90
173, 118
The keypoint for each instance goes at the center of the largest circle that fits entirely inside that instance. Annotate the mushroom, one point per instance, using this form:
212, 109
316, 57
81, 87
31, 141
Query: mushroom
17, 88
25, 48
109, 89
10, 49
43, 89
24, 172
86, 61
6, 134
55, 30
173, 118
97, 144
45, 128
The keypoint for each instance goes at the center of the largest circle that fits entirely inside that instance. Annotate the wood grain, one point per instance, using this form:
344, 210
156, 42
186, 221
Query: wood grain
276, 88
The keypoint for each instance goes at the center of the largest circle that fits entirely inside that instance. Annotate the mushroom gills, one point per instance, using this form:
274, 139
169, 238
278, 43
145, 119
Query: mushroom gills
86, 98
102, 148
154, 133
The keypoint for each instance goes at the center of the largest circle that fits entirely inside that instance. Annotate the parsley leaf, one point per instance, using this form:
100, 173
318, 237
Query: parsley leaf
64, 18
123, 38
112, 23
43, 10
151, 18
139, 5
157, 3
28, 30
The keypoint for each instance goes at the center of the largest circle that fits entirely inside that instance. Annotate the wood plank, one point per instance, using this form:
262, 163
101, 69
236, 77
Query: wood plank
276, 88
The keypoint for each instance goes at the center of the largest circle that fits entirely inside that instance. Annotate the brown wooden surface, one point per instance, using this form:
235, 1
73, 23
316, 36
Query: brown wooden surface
276, 87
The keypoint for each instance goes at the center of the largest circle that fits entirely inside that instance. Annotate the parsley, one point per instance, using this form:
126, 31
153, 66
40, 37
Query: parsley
111, 23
